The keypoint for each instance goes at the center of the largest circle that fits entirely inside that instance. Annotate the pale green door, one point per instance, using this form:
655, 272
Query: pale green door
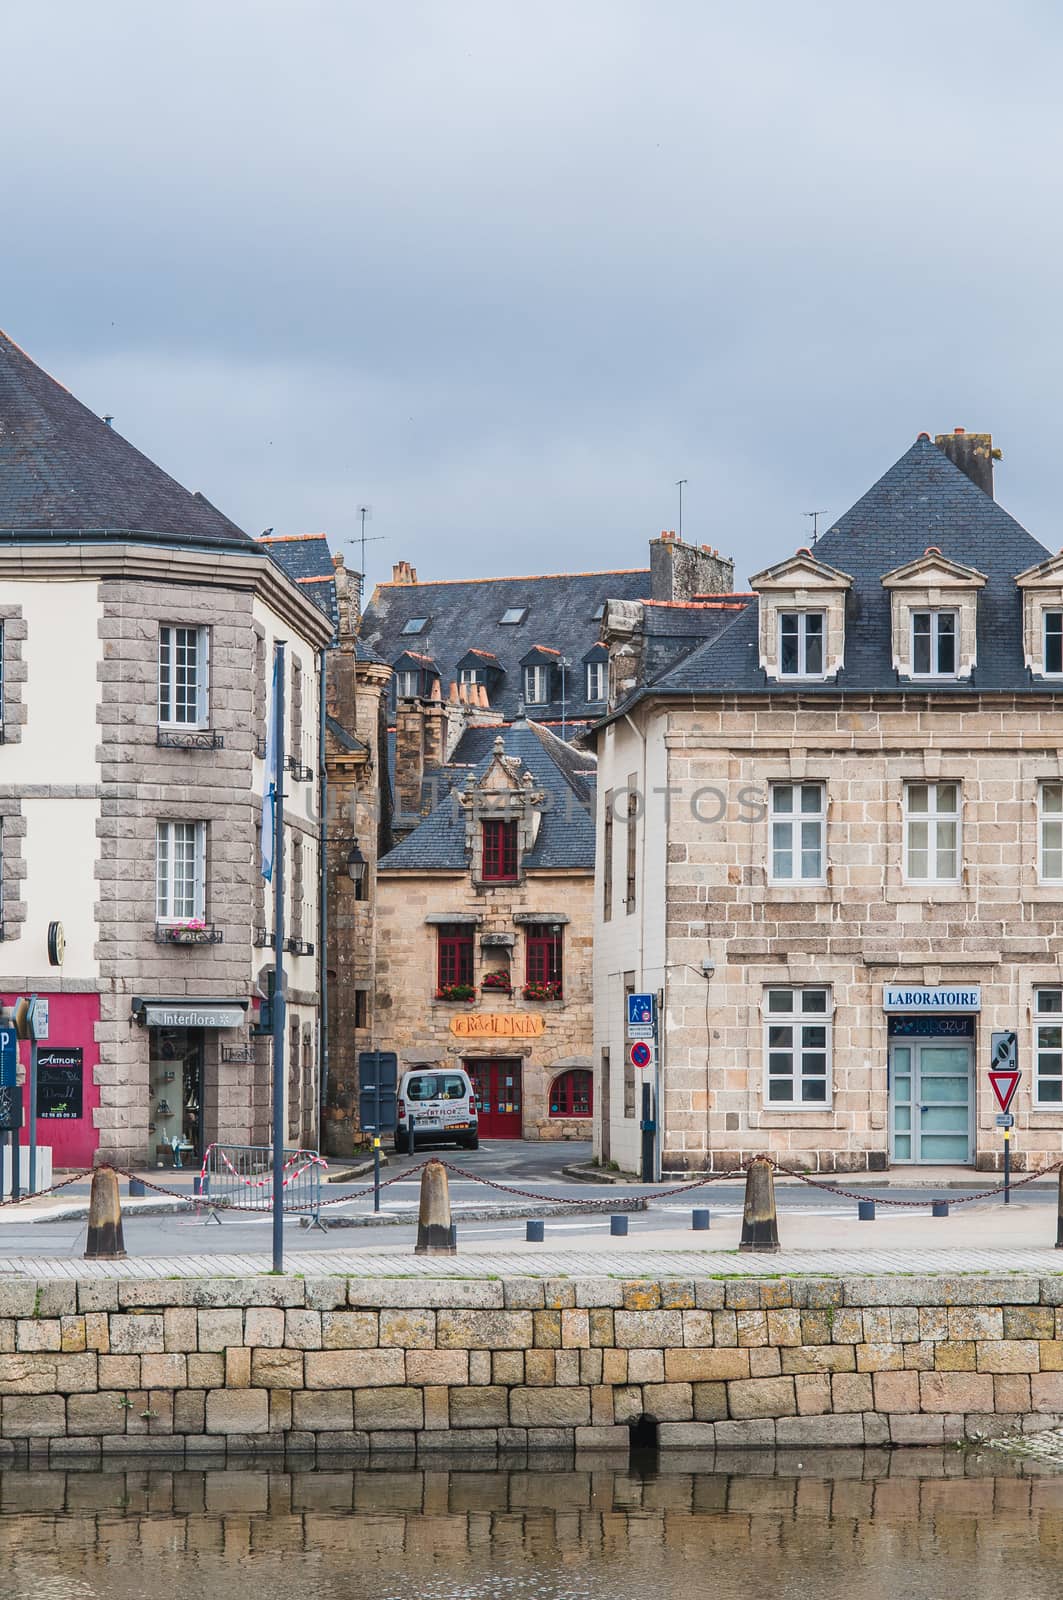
931, 1101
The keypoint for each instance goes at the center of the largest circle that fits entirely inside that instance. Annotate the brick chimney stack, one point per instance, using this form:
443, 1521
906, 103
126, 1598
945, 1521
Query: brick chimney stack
973, 453
403, 573
679, 571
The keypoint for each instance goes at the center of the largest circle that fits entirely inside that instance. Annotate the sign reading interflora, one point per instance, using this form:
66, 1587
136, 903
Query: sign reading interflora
496, 1025
943, 998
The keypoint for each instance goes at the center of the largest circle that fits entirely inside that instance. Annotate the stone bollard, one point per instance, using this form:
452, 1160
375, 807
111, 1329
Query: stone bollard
760, 1226
105, 1241
435, 1231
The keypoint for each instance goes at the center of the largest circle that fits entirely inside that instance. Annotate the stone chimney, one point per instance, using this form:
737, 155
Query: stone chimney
409, 758
973, 453
679, 571
348, 602
402, 572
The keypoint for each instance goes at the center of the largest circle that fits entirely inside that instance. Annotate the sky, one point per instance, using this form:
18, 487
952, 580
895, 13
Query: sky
506, 272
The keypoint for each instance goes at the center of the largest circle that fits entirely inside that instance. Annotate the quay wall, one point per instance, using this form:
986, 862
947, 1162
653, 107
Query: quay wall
206, 1366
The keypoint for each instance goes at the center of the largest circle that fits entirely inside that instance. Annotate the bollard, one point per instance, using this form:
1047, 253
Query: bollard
1059, 1213
865, 1210
618, 1227
435, 1232
939, 1208
699, 1221
200, 1184
534, 1232
760, 1225
137, 1190
105, 1242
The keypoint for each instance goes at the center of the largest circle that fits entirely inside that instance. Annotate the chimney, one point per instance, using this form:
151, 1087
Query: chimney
409, 759
434, 734
973, 453
679, 571
348, 601
402, 572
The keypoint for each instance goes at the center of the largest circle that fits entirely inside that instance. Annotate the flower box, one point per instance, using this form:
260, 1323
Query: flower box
498, 982
456, 991
187, 933
542, 991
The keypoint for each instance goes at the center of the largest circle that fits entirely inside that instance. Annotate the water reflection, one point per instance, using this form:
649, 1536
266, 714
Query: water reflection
852, 1525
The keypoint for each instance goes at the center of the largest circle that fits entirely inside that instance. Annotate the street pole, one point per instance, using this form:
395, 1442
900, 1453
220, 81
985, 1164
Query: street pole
1007, 1166
279, 1009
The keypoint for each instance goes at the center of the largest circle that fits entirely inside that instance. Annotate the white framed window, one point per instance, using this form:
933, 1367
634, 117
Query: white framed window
1048, 1047
801, 639
1050, 833
934, 644
180, 870
596, 680
537, 686
1052, 634
471, 675
932, 832
183, 669
798, 826
407, 685
797, 1046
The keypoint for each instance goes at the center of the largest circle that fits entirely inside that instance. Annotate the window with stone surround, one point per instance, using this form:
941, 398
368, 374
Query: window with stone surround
454, 961
797, 1046
1048, 1048
180, 871
1052, 643
801, 637
500, 851
572, 1094
183, 675
934, 635
798, 824
932, 832
544, 960
1050, 805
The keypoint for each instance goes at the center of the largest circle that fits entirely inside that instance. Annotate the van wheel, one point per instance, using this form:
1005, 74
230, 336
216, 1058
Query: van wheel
471, 1144
402, 1143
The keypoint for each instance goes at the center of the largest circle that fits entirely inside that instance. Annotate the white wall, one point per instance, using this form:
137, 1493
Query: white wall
60, 849
300, 799
61, 653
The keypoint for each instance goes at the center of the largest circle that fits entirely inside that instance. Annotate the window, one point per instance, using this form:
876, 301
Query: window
631, 896
797, 827
596, 680
407, 685
572, 1094
537, 685
470, 675
607, 858
932, 832
934, 644
454, 965
1053, 626
436, 1086
1048, 1047
499, 852
1051, 864
415, 625
797, 1027
801, 644
513, 616
180, 859
361, 1008
182, 676
543, 958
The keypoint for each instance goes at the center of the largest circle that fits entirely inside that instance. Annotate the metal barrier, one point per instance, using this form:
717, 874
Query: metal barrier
239, 1177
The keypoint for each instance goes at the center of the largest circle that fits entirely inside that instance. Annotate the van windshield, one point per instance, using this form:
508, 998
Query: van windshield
437, 1086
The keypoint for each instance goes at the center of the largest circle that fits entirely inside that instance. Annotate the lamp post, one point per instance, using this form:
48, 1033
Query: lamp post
357, 866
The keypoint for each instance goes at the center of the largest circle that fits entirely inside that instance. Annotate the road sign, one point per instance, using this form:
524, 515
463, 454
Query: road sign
1005, 1119
1004, 1051
641, 1054
40, 1018
641, 1009
1004, 1084
8, 1058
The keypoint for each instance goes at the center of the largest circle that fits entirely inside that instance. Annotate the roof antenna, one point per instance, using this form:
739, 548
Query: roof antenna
365, 514
679, 482
815, 515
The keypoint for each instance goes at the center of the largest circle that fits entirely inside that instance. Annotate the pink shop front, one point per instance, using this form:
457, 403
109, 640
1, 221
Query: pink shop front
67, 1092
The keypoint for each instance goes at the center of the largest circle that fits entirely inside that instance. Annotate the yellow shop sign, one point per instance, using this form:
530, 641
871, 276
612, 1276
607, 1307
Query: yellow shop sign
496, 1025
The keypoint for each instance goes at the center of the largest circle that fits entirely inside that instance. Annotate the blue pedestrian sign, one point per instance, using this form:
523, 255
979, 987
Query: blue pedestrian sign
8, 1058
640, 1010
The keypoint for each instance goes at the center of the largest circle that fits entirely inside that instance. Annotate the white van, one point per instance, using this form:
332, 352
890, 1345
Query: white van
442, 1105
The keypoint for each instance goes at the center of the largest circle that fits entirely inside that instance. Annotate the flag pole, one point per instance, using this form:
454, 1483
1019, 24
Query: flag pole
278, 956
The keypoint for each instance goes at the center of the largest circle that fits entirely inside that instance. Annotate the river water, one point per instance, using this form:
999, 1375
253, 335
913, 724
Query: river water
856, 1526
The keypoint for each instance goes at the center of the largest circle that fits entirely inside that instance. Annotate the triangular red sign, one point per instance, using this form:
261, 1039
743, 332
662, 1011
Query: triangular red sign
1004, 1086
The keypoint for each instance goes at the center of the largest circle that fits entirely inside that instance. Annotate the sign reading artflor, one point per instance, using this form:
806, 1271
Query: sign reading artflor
496, 1025
942, 998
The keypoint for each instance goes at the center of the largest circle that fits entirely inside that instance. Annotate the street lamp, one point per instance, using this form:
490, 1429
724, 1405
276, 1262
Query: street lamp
356, 865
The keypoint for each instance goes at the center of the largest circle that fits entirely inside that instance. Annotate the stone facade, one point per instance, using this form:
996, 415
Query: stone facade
112, 1366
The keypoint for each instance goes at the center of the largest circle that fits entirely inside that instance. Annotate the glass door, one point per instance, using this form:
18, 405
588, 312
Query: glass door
931, 1101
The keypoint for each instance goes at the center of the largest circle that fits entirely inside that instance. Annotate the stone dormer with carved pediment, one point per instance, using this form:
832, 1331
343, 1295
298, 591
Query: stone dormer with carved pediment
503, 814
934, 617
802, 618
1042, 617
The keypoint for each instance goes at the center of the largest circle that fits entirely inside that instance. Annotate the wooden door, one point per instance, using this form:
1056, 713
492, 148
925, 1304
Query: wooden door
498, 1096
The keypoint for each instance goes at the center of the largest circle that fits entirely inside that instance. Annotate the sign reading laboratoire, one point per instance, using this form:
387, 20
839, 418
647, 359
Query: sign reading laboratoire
194, 1016
496, 1025
929, 1001
60, 1079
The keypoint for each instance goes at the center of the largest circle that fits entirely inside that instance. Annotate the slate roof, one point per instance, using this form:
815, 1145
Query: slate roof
923, 500
464, 614
306, 558
66, 475
566, 833
347, 742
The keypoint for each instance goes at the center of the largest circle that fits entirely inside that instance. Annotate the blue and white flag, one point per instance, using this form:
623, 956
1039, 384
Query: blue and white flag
269, 780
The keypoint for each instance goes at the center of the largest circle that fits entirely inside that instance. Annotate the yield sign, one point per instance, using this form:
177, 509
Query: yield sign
1004, 1086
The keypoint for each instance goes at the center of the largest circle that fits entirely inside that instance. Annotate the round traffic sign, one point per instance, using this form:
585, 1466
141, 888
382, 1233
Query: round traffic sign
641, 1054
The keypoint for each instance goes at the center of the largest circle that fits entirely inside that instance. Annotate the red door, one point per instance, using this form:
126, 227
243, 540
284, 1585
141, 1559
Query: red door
498, 1096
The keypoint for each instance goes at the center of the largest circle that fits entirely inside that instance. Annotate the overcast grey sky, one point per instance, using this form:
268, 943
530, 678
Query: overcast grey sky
507, 271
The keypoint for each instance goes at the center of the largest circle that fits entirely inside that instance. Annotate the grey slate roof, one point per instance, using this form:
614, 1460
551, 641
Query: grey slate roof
464, 615
306, 558
566, 833
346, 741
923, 500
66, 475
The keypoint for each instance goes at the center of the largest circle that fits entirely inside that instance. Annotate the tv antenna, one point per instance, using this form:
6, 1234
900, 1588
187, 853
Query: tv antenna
815, 516
365, 514
679, 482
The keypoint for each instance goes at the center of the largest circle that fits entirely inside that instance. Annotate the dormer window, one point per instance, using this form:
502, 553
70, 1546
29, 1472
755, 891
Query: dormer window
1053, 643
499, 851
537, 685
407, 685
596, 671
934, 644
801, 643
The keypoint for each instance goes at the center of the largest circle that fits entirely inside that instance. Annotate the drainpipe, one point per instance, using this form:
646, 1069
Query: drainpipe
322, 899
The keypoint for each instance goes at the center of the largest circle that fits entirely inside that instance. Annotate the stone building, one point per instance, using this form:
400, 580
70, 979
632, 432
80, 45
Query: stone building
483, 935
843, 872
138, 623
